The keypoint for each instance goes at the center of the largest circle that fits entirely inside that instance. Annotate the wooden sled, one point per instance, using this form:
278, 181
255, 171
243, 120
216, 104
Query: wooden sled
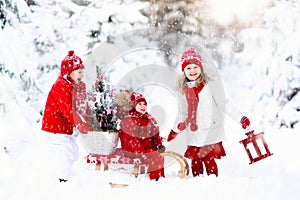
117, 185
184, 165
140, 168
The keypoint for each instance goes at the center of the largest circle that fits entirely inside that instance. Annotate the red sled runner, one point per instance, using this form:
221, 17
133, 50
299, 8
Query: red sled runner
254, 139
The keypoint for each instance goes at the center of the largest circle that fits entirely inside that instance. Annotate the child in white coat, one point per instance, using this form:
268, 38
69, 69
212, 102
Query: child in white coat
205, 114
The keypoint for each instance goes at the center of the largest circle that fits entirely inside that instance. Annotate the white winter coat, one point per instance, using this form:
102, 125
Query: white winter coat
210, 120
211, 113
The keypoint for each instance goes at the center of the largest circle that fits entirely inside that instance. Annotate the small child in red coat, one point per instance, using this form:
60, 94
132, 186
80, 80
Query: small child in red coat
61, 117
140, 136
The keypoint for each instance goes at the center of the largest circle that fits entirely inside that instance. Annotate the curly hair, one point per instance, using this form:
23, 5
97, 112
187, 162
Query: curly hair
123, 100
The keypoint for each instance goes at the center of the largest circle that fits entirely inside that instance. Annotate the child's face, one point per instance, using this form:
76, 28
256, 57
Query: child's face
77, 75
192, 72
141, 107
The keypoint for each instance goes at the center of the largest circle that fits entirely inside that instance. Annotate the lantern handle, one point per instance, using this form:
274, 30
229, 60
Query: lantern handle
248, 128
249, 133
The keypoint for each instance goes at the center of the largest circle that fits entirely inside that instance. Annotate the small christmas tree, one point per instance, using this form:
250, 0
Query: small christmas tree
102, 103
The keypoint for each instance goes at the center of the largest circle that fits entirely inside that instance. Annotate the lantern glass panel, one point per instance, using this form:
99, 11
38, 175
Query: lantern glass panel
252, 150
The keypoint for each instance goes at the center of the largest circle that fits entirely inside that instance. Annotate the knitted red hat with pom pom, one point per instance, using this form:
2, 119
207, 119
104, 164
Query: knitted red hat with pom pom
70, 63
137, 98
191, 57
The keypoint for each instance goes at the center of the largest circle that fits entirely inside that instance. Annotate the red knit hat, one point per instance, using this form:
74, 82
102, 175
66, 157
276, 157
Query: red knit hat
191, 57
137, 98
70, 63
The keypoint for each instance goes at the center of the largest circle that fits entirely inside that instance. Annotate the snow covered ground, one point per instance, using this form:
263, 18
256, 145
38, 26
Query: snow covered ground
24, 172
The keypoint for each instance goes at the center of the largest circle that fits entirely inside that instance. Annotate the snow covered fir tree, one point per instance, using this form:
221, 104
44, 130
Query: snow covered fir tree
229, 41
254, 44
102, 104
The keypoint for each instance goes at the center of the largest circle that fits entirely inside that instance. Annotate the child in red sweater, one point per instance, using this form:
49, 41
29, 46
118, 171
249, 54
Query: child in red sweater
60, 117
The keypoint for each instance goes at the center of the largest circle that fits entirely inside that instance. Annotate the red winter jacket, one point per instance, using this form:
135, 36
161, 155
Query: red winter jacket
59, 114
139, 133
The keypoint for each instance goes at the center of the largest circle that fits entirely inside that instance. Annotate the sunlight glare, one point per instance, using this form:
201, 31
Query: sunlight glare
224, 12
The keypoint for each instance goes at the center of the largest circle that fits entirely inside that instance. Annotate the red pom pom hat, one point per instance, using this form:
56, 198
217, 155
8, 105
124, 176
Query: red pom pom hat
70, 63
137, 98
191, 57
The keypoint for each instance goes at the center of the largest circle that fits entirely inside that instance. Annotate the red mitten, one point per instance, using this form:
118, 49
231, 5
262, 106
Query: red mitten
245, 122
84, 128
172, 135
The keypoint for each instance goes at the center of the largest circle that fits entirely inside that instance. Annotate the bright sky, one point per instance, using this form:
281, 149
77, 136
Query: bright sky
224, 11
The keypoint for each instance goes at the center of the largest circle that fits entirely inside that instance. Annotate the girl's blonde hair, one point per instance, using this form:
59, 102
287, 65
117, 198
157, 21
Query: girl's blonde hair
203, 78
